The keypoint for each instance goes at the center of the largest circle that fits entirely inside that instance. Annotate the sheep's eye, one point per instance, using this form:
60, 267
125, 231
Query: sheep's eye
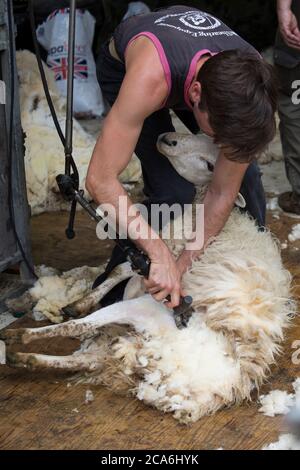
210, 167
174, 143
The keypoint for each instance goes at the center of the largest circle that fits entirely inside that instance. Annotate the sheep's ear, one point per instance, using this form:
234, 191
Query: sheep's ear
240, 201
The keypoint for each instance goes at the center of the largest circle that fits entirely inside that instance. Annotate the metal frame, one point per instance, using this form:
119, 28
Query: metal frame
9, 250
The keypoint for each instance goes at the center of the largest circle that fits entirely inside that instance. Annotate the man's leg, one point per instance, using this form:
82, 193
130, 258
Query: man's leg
253, 192
289, 114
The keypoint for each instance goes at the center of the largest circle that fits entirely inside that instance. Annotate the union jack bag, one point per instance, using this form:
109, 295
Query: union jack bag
53, 36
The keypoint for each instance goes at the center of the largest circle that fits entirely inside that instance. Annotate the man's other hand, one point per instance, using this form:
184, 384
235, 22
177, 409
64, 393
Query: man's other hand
288, 25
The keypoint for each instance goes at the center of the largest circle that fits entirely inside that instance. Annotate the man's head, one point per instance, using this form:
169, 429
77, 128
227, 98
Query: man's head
235, 98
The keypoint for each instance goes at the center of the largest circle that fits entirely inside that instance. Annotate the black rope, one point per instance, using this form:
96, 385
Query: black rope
42, 72
46, 88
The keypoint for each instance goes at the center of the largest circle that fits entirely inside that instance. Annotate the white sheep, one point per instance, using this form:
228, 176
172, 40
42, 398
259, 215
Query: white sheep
242, 304
44, 154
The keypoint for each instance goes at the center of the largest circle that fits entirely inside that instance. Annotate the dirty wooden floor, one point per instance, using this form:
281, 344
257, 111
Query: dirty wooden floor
43, 412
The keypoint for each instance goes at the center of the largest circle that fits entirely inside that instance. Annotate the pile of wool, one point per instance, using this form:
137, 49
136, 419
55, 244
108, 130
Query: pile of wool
44, 154
279, 402
272, 204
276, 402
285, 442
295, 233
53, 291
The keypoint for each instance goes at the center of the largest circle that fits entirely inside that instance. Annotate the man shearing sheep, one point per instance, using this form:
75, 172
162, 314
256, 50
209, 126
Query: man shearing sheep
188, 61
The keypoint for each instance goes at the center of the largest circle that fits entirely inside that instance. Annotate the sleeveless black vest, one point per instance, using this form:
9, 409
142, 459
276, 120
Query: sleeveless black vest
181, 36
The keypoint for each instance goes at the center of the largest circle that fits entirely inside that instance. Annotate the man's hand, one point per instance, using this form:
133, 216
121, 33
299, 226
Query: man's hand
164, 278
288, 24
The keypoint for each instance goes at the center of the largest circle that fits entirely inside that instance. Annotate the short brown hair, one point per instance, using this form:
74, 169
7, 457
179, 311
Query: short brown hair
239, 93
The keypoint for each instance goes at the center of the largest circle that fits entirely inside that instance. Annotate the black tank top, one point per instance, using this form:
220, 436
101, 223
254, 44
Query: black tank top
181, 36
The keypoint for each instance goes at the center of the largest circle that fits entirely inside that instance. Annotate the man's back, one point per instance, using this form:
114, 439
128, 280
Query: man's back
181, 36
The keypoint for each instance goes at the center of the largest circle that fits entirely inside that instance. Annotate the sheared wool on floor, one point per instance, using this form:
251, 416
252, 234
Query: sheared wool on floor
295, 233
285, 442
53, 292
276, 403
272, 204
279, 402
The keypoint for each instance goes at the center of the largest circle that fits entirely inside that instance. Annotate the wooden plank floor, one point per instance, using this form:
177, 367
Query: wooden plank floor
43, 412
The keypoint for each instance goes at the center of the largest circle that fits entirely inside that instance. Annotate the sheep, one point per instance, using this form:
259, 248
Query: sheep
44, 154
242, 304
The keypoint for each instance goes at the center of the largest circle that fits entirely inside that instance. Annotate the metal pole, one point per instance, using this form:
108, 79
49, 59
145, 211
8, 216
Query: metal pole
70, 87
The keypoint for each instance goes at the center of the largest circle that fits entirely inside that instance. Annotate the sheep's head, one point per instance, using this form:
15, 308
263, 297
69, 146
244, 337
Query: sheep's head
192, 156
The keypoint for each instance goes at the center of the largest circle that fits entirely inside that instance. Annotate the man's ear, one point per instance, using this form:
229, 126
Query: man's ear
195, 93
240, 201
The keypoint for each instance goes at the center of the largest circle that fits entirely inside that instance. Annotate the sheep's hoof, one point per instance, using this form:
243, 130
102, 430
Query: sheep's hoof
27, 361
68, 310
13, 336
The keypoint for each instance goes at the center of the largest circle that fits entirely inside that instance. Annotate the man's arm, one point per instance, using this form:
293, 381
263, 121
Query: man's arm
288, 24
218, 204
141, 93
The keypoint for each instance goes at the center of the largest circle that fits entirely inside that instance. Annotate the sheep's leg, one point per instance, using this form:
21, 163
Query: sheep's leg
26, 335
82, 306
79, 362
143, 313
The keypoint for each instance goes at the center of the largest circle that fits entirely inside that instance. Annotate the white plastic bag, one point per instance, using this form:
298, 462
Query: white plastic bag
136, 8
53, 36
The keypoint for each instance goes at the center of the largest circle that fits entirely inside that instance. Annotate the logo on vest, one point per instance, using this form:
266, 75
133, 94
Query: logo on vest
195, 23
200, 21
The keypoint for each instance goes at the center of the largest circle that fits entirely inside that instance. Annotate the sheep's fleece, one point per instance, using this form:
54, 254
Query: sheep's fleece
44, 155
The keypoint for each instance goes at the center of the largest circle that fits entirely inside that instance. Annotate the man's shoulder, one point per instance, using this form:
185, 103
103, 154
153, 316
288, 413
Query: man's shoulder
143, 52
143, 61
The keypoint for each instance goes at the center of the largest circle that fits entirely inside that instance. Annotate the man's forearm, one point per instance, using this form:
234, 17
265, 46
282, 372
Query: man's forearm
284, 5
217, 208
110, 194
